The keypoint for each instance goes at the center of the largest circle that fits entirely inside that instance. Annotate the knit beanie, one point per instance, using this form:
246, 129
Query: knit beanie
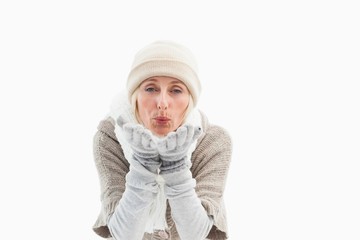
165, 58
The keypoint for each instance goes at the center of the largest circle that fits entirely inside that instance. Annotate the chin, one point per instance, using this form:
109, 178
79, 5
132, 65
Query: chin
161, 131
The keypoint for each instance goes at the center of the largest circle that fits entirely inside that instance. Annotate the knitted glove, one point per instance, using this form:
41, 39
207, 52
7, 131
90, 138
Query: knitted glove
190, 217
143, 145
173, 149
130, 216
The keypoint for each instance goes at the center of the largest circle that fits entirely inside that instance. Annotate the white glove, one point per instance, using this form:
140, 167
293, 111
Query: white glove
143, 145
173, 149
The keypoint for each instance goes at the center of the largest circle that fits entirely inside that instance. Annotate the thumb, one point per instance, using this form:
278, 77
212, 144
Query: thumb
120, 121
197, 133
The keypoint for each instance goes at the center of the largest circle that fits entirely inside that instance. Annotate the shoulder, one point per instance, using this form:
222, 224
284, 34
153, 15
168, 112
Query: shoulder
213, 152
213, 132
214, 140
106, 146
216, 136
107, 127
105, 137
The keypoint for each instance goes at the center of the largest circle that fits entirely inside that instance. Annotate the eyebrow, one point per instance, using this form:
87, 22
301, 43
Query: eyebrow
174, 81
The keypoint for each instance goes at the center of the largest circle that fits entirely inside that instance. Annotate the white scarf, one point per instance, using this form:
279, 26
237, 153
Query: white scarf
121, 106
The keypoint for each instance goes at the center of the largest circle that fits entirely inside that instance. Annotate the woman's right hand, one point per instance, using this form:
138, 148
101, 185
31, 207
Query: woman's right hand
143, 144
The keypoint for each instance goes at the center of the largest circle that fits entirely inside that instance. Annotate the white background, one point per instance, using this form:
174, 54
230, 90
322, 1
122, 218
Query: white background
281, 76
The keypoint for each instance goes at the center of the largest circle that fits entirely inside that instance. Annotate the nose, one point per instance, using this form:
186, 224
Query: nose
162, 103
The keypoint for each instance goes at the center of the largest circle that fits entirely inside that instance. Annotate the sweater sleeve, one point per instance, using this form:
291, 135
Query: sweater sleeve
112, 168
210, 167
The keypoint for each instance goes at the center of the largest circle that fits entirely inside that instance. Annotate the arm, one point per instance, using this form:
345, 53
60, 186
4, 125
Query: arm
191, 219
121, 219
210, 165
112, 168
130, 216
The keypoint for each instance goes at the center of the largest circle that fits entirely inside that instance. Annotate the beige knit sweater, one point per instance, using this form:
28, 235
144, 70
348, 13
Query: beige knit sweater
210, 164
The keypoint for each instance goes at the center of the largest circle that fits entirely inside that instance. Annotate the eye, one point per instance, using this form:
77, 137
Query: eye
176, 91
150, 89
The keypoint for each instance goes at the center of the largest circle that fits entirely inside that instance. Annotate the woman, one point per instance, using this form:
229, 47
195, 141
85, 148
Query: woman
162, 166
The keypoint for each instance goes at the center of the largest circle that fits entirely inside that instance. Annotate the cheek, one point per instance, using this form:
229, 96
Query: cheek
183, 103
144, 107
180, 109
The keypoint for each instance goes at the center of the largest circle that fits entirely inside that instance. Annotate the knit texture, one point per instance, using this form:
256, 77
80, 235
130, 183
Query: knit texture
210, 164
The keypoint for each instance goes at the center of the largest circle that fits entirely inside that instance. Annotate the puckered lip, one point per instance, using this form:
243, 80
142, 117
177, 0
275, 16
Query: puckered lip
162, 118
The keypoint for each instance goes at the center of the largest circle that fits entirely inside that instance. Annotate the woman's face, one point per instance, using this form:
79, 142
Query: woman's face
162, 103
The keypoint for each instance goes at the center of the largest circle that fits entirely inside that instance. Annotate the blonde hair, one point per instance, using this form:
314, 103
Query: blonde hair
134, 105
135, 108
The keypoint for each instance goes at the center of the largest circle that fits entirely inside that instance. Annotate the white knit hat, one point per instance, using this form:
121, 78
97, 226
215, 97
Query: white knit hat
165, 58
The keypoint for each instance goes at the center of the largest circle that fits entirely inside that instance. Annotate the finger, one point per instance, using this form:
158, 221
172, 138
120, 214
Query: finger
161, 144
181, 135
197, 132
190, 133
128, 131
146, 138
120, 121
137, 135
171, 141
154, 141
152, 144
